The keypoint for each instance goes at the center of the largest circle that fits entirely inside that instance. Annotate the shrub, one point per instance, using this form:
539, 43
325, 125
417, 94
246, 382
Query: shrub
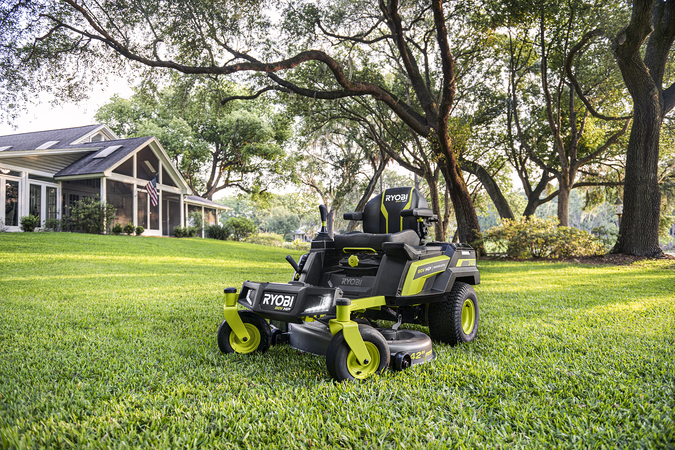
298, 244
216, 232
240, 227
117, 229
269, 239
542, 238
89, 215
139, 230
190, 231
179, 232
52, 225
29, 223
129, 229
197, 220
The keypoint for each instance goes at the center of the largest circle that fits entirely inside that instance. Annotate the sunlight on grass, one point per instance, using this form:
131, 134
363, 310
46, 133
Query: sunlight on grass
109, 341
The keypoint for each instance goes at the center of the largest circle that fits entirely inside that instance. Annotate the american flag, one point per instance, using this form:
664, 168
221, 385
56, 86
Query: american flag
151, 187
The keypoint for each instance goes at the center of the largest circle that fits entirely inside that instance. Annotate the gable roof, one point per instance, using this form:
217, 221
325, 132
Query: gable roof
90, 164
63, 138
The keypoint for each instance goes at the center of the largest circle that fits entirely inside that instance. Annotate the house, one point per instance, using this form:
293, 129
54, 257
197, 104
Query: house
44, 173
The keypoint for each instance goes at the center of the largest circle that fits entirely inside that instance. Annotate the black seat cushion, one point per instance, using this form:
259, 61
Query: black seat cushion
351, 242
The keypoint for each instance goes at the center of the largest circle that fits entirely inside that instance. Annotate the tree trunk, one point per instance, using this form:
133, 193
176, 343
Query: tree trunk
639, 230
564, 204
491, 187
436, 207
330, 221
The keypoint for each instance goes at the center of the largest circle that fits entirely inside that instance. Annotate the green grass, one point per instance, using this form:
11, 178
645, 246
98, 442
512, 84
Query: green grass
109, 341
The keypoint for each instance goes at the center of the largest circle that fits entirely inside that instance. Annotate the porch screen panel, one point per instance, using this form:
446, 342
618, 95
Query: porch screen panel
11, 203
142, 209
211, 217
120, 195
52, 212
35, 201
154, 216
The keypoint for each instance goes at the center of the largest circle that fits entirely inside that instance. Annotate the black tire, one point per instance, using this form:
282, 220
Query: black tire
257, 327
342, 364
445, 317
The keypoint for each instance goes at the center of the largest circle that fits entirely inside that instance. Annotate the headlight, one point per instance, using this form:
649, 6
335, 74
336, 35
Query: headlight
324, 304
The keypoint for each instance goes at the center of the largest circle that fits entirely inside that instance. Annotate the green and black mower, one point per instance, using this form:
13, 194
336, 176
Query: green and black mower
347, 284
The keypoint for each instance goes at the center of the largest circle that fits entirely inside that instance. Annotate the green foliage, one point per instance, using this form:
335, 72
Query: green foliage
89, 215
234, 144
52, 225
216, 231
104, 336
240, 228
281, 221
29, 223
197, 220
180, 232
117, 229
298, 244
129, 229
139, 230
269, 239
542, 238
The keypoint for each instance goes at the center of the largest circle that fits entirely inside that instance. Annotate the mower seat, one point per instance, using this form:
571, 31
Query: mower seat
383, 222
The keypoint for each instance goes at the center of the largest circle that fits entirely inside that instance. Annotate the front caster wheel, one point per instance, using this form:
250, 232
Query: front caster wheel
258, 330
342, 363
454, 319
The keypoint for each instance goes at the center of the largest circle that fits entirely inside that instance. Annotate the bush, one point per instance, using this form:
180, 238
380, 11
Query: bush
542, 238
197, 220
179, 232
240, 228
52, 225
29, 223
139, 230
117, 229
298, 244
129, 229
216, 232
89, 215
190, 231
269, 239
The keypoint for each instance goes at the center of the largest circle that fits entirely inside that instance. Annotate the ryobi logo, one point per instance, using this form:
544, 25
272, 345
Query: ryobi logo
398, 198
352, 281
277, 302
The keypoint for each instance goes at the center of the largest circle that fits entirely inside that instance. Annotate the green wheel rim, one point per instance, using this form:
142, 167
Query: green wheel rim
361, 371
468, 316
249, 346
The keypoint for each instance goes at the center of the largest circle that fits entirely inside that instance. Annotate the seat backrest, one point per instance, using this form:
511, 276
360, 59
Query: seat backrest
382, 213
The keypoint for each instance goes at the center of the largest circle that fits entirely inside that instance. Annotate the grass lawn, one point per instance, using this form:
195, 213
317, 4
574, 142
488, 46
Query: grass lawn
109, 341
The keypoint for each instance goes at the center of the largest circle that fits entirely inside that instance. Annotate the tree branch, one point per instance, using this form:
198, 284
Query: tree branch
570, 76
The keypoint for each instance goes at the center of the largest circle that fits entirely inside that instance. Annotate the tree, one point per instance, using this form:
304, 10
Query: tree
642, 51
227, 38
214, 146
543, 67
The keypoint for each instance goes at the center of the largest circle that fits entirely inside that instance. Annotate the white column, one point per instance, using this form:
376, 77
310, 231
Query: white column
182, 211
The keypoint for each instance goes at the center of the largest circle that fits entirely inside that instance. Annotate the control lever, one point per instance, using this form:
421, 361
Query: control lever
292, 262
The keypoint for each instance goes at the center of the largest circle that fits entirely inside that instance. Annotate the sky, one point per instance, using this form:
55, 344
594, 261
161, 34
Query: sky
42, 115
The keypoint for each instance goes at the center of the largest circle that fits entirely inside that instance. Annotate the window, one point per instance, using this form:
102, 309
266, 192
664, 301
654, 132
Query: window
11, 203
52, 212
35, 201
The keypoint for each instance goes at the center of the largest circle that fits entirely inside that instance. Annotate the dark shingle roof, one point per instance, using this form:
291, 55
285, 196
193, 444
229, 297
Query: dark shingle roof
31, 141
89, 165
205, 202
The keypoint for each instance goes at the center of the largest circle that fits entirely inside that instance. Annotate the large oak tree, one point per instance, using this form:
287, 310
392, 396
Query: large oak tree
59, 41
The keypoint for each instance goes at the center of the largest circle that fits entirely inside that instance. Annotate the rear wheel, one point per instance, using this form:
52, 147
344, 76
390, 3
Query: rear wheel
258, 331
341, 360
454, 319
